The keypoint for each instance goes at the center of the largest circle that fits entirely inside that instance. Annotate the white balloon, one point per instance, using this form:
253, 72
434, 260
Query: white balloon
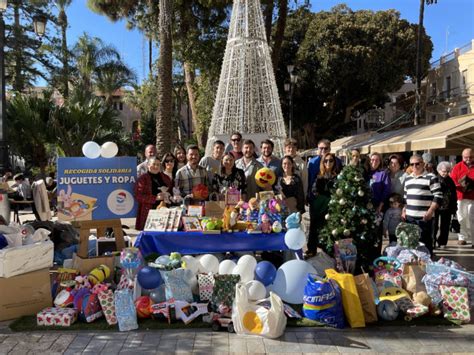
295, 239
246, 274
208, 263
226, 267
249, 261
108, 150
163, 260
191, 263
256, 290
91, 150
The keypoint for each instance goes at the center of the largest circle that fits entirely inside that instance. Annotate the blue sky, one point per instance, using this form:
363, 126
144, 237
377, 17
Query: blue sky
450, 23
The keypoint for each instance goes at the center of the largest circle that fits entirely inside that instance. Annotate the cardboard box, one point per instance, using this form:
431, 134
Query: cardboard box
25, 294
23, 259
108, 245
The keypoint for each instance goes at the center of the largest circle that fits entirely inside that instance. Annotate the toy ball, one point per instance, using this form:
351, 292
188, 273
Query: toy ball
387, 310
291, 279
99, 274
295, 239
265, 176
143, 306
149, 278
200, 192
265, 272
276, 227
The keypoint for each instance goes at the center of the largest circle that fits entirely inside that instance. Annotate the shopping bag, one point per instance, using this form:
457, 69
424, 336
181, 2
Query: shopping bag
411, 278
455, 303
367, 297
250, 318
214, 209
322, 302
350, 298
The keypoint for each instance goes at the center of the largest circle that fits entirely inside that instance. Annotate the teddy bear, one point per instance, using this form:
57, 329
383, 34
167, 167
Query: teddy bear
293, 220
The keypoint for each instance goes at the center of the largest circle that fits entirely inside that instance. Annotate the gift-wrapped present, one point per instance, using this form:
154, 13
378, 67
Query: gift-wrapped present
125, 310
56, 316
455, 303
106, 299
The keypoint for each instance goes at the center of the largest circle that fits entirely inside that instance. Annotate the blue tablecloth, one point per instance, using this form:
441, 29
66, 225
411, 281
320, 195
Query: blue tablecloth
199, 243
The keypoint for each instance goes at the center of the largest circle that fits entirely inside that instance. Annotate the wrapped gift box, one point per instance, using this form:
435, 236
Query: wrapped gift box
56, 316
20, 260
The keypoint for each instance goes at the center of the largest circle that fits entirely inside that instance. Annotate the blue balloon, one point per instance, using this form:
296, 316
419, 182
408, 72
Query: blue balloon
149, 278
265, 272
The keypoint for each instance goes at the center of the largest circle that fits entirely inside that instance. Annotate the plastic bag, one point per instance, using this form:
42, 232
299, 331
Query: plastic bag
321, 262
250, 318
323, 302
350, 298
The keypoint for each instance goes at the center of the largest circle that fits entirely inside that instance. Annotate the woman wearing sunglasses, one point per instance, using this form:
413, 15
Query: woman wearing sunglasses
321, 189
291, 186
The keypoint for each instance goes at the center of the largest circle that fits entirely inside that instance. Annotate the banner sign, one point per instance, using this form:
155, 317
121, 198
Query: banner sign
93, 189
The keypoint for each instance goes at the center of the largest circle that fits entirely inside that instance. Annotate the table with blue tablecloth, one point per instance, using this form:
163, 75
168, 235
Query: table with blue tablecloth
199, 243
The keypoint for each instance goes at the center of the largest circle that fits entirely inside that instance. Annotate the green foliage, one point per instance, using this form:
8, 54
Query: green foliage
346, 61
29, 131
205, 97
81, 119
351, 215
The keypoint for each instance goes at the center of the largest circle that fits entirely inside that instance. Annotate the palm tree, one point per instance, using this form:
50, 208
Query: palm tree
62, 21
112, 76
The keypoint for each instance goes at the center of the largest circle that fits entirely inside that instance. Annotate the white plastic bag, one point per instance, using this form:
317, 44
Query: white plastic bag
249, 318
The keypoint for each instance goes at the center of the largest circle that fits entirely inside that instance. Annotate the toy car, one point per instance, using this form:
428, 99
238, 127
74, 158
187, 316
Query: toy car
219, 322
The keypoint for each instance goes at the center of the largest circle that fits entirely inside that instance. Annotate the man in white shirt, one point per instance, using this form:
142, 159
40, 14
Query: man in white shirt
150, 152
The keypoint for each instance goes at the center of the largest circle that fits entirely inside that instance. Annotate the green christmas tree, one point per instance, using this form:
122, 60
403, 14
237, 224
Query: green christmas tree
351, 214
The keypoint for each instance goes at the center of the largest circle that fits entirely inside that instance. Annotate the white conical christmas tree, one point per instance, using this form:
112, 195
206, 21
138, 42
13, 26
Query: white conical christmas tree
247, 97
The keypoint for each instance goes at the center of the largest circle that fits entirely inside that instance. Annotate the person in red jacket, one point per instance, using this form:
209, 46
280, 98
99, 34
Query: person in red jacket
463, 177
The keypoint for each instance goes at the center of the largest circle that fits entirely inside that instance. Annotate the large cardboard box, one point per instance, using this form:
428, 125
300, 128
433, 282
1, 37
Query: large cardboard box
25, 294
26, 258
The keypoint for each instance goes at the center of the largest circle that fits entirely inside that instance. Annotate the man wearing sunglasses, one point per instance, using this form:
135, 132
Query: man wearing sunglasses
422, 193
236, 141
463, 177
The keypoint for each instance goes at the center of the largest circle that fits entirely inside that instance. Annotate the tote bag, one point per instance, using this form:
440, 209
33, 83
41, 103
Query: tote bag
249, 318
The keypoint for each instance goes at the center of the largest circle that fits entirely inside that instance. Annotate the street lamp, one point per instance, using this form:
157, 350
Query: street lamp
290, 88
3, 101
419, 50
39, 24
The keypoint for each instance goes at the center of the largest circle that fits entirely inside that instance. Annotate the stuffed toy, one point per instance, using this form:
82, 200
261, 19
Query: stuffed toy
293, 220
265, 226
265, 177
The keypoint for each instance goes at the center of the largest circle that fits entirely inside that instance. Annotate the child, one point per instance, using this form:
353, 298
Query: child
392, 217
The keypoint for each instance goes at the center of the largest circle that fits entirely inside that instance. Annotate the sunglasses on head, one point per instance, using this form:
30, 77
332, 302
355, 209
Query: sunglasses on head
415, 164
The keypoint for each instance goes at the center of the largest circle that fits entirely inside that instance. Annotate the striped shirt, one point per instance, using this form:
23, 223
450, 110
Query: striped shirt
420, 192
187, 178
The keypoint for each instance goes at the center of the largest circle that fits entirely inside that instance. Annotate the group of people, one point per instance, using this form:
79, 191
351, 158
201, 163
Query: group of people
179, 173
418, 194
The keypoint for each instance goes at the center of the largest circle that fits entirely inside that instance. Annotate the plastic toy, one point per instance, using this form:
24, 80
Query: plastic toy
265, 177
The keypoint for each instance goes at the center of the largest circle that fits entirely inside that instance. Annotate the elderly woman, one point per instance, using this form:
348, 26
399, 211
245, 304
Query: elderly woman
447, 207
148, 192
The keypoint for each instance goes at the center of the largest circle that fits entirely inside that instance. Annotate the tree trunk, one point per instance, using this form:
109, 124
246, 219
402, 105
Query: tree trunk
64, 52
164, 131
18, 82
268, 18
189, 80
280, 32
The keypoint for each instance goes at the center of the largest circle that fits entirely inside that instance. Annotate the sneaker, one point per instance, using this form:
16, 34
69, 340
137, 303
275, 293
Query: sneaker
442, 247
462, 242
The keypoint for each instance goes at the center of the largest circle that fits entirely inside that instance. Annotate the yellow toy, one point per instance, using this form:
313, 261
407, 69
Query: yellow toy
230, 218
99, 274
265, 177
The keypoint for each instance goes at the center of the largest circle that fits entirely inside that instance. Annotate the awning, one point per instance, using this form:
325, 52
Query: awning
446, 137
341, 145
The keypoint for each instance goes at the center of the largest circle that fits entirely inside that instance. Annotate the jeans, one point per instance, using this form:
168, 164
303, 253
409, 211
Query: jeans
426, 231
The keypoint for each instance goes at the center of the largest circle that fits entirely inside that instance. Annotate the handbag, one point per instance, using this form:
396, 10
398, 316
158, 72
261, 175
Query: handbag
250, 318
